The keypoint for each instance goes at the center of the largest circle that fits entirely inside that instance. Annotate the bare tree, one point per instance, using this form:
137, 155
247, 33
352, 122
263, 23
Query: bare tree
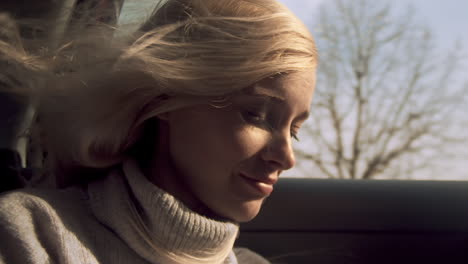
386, 99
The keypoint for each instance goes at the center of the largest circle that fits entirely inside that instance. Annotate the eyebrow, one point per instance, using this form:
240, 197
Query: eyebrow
302, 116
258, 90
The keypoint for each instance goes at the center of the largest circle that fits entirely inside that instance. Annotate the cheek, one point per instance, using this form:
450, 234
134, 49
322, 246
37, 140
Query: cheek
208, 150
213, 142
187, 142
251, 140
236, 141
198, 143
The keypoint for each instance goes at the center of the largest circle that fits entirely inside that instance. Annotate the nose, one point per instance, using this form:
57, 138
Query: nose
279, 152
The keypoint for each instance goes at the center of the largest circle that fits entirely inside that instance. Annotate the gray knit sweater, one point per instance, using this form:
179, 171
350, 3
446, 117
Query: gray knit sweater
122, 218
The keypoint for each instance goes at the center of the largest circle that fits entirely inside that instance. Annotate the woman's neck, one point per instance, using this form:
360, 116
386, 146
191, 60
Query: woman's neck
161, 171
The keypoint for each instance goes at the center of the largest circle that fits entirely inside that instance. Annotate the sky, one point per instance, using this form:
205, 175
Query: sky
448, 20
447, 17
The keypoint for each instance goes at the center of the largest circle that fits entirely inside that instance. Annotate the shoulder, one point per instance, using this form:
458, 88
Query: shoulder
246, 256
31, 220
40, 207
29, 203
22, 217
19, 206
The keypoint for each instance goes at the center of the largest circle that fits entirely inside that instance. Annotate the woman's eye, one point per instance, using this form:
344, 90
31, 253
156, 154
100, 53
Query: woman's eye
294, 136
256, 118
295, 132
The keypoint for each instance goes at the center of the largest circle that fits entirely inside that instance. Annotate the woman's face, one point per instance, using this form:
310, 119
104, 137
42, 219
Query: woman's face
229, 158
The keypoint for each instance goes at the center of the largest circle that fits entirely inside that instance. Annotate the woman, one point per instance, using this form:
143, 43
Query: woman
165, 142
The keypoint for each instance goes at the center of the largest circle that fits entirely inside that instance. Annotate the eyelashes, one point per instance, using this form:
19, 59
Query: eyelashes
261, 119
255, 117
294, 136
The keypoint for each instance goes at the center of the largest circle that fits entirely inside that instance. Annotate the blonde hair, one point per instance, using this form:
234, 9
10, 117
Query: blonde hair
95, 93
96, 96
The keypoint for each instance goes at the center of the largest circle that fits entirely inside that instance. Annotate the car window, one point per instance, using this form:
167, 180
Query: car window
391, 90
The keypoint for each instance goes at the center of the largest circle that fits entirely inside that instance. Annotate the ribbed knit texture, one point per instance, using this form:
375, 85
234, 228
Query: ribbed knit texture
119, 219
148, 219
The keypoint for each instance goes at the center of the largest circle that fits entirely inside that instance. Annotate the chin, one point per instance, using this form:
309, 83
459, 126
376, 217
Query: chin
243, 213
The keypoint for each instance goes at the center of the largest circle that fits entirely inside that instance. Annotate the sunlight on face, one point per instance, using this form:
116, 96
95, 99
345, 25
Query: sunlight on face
229, 158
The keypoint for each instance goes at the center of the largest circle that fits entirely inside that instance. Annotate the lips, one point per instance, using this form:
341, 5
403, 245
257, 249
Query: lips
261, 185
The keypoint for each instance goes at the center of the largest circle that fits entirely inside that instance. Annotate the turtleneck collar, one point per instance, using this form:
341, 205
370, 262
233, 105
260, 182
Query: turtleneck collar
153, 222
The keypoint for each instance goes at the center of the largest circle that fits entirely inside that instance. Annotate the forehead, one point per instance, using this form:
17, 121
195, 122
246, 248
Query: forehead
296, 88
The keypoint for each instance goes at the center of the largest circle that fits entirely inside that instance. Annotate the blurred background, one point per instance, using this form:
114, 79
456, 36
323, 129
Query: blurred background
391, 93
390, 101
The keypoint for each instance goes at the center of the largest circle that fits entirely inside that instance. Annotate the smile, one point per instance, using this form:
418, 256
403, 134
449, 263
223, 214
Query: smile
261, 187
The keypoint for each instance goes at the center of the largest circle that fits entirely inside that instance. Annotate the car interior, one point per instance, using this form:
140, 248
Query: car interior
305, 220
361, 221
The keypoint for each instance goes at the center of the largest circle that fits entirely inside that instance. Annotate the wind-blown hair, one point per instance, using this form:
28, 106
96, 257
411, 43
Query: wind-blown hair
95, 95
